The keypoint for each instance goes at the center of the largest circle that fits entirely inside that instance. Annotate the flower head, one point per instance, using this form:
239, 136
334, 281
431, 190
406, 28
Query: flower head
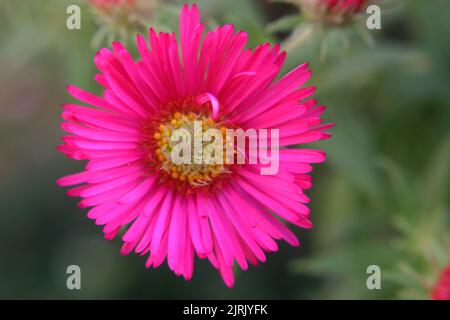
333, 12
118, 12
121, 18
220, 211
441, 290
107, 6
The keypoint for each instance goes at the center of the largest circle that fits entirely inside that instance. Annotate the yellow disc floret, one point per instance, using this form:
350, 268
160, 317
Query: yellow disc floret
196, 173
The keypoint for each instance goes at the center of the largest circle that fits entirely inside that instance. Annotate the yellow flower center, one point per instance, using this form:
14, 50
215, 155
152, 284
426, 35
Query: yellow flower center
196, 172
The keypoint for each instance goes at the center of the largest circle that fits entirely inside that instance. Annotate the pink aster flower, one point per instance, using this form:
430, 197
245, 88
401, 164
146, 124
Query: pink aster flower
442, 289
108, 5
335, 12
124, 13
225, 213
351, 6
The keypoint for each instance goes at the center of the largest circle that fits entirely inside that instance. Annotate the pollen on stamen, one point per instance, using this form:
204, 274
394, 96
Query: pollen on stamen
197, 174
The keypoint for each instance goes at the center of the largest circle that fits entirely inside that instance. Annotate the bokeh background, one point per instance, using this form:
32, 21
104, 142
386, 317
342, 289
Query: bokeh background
381, 198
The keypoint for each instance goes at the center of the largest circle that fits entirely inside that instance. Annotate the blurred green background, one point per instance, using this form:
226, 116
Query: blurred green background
381, 198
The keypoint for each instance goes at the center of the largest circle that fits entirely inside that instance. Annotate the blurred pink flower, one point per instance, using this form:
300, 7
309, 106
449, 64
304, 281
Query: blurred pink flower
110, 8
442, 289
106, 5
348, 6
122, 19
110, 2
335, 12
223, 213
